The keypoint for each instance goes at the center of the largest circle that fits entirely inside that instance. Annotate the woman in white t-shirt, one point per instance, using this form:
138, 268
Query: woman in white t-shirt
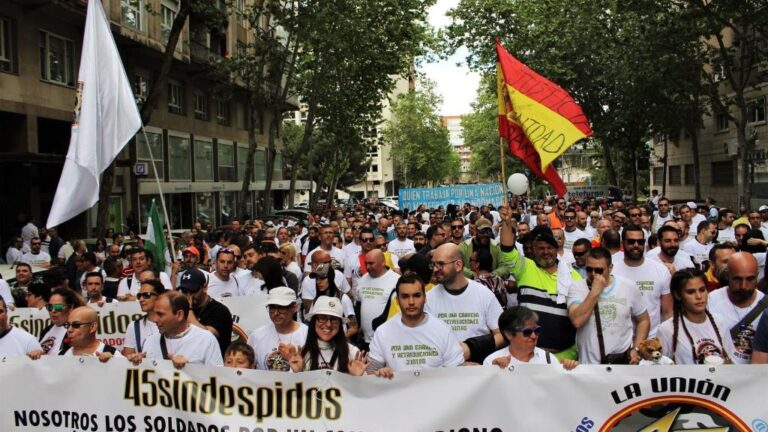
326, 346
61, 303
519, 326
693, 335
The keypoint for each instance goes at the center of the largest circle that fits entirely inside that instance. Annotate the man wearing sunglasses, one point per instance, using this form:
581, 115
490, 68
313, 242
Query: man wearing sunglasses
580, 250
82, 326
15, 341
651, 277
142, 328
662, 215
571, 230
354, 265
608, 312
35, 256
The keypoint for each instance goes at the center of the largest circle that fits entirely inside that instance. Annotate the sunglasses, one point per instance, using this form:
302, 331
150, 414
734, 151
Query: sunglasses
76, 324
529, 331
457, 227
145, 295
579, 254
640, 242
569, 218
635, 214
55, 307
595, 270
367, 239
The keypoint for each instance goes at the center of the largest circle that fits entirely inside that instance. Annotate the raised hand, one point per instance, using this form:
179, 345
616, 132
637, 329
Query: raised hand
358, 364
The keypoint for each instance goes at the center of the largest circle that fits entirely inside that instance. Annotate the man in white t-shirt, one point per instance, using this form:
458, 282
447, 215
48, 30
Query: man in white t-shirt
700, 245
734, 303
15, 341
571, 230
668, 253
623, 318
414, 339
178, 340
401, 245
373, 290
662, 215
141, 260
221, 282
725, 230
15, 251
326, 244
272, 342
650, 277
468, 307
82, 326
354, 267
36, 257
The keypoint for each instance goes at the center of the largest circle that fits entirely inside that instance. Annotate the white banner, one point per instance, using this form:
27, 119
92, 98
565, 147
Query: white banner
70, 394
248, 313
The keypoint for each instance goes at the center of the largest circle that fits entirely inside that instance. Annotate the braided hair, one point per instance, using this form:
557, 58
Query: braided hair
679, 279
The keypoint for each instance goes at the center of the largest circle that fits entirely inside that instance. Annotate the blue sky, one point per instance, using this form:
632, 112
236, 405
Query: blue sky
456, 84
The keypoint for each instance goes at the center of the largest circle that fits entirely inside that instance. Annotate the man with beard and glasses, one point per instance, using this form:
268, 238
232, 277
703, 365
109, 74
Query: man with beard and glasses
541, 285
739, 305
669, 253
482, 240
650, 276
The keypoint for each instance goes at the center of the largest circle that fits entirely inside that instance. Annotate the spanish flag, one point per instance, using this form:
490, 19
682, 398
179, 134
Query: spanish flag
519, 145
546, 113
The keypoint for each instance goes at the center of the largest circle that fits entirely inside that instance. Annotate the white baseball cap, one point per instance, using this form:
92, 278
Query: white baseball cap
692, 205
281, 296
325, 305
763, 208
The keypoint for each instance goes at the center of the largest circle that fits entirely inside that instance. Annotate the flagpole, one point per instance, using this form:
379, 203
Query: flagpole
503, 169
172, 252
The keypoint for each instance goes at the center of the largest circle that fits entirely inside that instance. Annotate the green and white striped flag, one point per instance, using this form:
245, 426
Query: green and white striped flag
155, 241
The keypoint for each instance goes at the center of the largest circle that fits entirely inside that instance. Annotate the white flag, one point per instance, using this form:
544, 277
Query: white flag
106, 118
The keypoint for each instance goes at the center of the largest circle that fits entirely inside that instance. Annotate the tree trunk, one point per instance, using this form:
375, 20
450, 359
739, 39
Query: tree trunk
664, 169
696, 162
107, 178
635, 148
306, 143
248, 174
270, 160
610, 170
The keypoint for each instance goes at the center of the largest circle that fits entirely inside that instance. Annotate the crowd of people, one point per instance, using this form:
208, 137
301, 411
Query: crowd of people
368, 290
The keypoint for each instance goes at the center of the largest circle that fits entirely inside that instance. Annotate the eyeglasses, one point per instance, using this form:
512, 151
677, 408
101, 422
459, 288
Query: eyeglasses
434, 264
640, 242
569, 217
278, 308
366, 239
76, 324
579, 254
146, 295
595, 270
325, 319
457, 226
635, 214
529, 331
55, 307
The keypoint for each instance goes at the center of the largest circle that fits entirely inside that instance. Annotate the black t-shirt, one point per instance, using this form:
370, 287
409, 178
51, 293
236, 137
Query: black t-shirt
110, 288
216, 315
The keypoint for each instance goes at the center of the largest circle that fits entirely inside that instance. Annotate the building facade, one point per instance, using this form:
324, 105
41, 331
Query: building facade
456, 138
199, 142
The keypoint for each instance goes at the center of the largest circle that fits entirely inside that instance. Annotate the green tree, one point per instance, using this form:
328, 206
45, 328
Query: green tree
420, 145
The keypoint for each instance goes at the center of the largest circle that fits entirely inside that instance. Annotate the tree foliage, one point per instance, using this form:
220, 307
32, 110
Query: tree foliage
420, 145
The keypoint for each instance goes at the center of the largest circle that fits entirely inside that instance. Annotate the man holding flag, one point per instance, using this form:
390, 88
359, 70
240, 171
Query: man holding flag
537, 118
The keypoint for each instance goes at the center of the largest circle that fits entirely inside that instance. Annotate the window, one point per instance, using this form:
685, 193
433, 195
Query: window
674, 175
8, 61
227, 170
222, 112
201, 105
140, 88
57, 59
374, 168
242, 162
241, 117
168, 9
722, 173
203, 160
756, 110
131, 13
175, 97
721, 122
156, 145
277, 173
179, 158
259, 165
689, 176
658, 175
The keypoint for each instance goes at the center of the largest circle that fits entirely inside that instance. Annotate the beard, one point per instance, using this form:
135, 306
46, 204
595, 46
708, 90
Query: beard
670, 251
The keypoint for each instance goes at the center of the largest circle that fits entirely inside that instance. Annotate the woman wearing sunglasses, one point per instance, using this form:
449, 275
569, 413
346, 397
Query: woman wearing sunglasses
519, 326
326, 346
693, 335
62, 301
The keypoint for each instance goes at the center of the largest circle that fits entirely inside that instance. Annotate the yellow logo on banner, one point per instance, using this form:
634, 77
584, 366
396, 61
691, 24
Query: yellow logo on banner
675, 413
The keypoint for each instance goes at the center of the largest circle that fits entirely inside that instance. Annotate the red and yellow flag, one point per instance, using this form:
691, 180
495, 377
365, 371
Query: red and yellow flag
519, 145
547, 114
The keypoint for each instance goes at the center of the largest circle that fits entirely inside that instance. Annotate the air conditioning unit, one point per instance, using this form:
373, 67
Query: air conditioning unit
731, 148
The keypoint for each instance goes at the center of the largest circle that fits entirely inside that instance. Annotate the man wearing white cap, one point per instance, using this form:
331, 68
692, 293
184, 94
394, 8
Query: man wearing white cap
273, 342
763, 209
697, 217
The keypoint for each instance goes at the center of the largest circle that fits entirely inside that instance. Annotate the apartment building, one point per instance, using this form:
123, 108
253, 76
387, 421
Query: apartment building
456, 138
199, 141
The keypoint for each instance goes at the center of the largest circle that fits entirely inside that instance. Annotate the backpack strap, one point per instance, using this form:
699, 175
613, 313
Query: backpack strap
109, 349
163, 347
748, 318
137, 333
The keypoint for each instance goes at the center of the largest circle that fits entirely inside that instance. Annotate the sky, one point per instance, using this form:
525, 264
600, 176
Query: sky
455, 84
